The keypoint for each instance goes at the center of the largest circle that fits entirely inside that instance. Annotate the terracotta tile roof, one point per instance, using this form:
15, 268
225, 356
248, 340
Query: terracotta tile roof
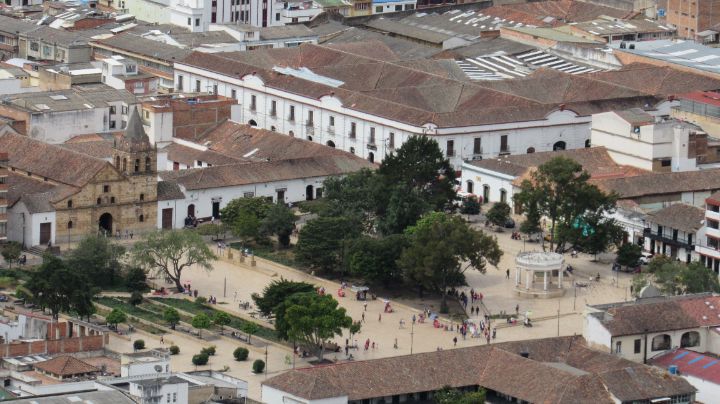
65, 366
263, 172
169, 191
663, 314
679, 216
101, 149
429, 92
562, 370
567, 10
51, 161
189, 155
237, 141
662, 183
595, 160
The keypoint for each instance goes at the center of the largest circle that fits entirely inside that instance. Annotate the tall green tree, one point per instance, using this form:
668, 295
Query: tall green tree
560, 191
313, 319
169, 253
11, 252
352, 196
221, 319
498, 214
321, 242
277, 292
257, 207
201, 322
375, 259
99, 259
629, 254
172, 316
116, 317
676, 278
598, 233
280, 220
57, 287
439, 245
419, 165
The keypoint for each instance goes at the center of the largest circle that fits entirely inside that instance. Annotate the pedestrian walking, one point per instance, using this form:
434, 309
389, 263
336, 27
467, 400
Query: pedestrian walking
363, 317
162, 341
507, 273
413, 319
517, 309
365, 306
454, 341
367, 344
494, 334
379, 317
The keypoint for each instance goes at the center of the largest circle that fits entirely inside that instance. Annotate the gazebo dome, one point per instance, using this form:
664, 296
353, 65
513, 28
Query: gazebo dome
540, 260
539, 274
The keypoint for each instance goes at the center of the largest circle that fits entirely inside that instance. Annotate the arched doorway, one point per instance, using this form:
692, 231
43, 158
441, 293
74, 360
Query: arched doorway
371, 157
486, 193
105, 223
309, 194
559, 146
470, 187
252, 122
191, 210
690, 339
530, 150
503, 196
331, 143
309, 138
291, 134
587, 143
661, 342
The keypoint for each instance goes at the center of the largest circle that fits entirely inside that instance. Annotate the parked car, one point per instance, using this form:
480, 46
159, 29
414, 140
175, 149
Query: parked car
510, 224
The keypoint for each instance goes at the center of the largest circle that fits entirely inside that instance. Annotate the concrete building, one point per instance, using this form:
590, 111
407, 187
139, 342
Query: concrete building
637, 138
10, 31
672, 231
144, 363
295, 92
303, 11
615, 30
54, 45
56, 116
248, 37
122, 74
14, 80
562, 369
649, 327
701, 108
692, 17
183, 116
707, 245
65, 76
392, 6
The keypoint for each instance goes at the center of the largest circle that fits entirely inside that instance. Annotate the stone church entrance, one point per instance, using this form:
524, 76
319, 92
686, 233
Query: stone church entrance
105, 223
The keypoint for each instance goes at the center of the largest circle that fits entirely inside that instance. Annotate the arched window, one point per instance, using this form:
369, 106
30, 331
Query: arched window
587, 143
252, 122
690, 339
352, 150
117, 162
371, 157
99, 201
148, 164
470, 187
70, 225
141, 218
330, 143
661, 342
112, 199
486, 193
503, 196
309, 138
69, 204
530, 150
291, 133
124, 167
272, 129
137, 165
559, 146
142, 197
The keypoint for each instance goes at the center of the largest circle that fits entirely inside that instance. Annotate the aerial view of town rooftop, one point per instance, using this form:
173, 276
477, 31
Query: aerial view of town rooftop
359, 201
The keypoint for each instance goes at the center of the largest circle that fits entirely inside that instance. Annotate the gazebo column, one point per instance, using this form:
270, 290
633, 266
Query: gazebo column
518, 279
528, 274
545, 281
560, 276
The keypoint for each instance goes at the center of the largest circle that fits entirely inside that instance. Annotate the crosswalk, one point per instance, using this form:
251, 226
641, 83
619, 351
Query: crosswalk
503, 67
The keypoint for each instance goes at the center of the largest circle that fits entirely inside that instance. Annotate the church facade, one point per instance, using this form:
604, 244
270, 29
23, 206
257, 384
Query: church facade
58, 195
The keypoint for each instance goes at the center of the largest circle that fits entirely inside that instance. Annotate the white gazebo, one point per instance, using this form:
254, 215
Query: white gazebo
539, 274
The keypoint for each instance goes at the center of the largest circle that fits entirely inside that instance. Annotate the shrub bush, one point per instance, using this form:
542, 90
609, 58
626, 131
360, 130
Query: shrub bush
201, 300
241, 354
258, 366
209, 350
200, 359
174, 349
139, 344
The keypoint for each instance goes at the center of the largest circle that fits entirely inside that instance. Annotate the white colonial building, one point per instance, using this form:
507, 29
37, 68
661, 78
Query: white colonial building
368, 106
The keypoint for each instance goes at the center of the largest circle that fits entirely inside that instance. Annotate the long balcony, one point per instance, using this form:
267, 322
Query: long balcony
679, 242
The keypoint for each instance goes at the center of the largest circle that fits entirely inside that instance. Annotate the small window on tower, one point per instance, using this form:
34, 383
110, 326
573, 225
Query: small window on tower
137, 165
69, 203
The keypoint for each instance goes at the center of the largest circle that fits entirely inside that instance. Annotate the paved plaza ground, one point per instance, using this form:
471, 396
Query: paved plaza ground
383, 328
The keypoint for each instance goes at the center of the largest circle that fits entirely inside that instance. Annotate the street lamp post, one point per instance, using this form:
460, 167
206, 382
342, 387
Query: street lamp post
412, 334
266, 361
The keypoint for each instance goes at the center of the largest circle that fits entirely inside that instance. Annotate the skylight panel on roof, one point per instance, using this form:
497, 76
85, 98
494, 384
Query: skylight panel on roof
705, 58
58, 97
307, 74
683, 52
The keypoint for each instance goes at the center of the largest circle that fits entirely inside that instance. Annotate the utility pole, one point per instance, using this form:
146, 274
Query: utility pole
266, 362
558, 322
412, 334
